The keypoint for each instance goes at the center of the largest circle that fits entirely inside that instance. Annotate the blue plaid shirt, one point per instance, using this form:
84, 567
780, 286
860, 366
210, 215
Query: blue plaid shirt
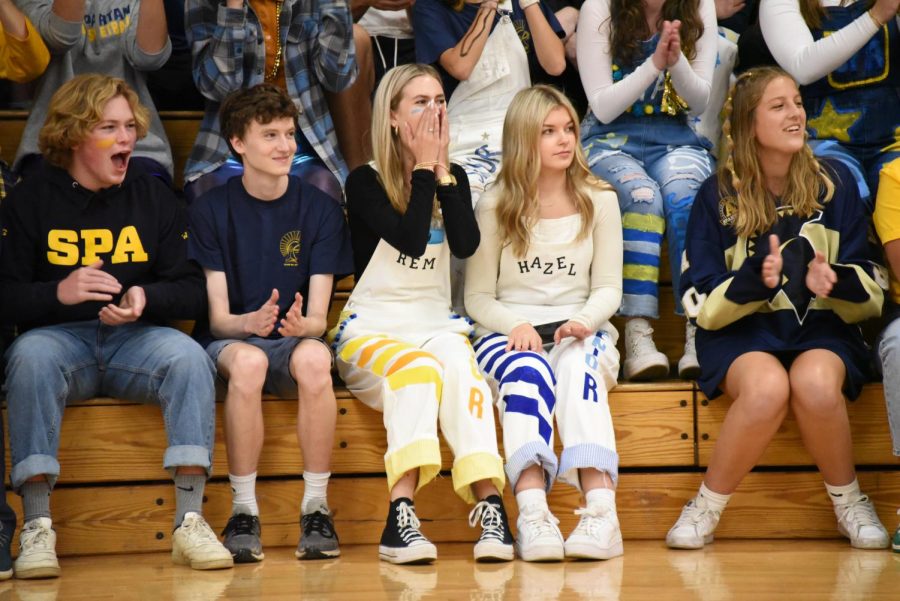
227, 46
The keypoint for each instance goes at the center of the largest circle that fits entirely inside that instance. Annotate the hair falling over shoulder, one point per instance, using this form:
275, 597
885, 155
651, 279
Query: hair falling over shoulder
517, 206
629, 26
741, 180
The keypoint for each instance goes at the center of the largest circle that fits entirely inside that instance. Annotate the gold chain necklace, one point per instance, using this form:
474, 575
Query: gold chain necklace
279, 49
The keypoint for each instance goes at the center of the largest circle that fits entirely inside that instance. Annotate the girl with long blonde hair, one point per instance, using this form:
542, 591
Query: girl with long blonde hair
542, 286
399, 347
778, 270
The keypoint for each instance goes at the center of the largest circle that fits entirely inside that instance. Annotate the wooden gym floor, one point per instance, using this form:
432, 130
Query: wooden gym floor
824, 570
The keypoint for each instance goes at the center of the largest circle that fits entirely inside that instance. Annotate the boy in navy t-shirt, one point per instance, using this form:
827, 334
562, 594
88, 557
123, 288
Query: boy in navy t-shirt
271, 247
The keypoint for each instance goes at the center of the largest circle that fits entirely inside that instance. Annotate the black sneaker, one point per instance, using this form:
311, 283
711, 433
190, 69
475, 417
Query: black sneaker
496, 541
6, 565
402, 541
241, 538
318, 539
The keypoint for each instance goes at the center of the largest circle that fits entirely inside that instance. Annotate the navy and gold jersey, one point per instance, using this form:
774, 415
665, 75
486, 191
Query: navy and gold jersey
722, 287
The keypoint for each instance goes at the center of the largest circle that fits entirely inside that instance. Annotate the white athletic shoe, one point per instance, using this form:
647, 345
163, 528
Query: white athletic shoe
688, 365
859, 522
695, 526
642, 360
37, 550
195, 544
538, 537
597, 535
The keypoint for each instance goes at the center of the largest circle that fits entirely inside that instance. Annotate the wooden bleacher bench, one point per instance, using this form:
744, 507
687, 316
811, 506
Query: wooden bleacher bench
114, 497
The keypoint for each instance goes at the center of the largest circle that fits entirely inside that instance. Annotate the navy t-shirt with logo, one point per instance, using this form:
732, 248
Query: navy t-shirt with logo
261, 245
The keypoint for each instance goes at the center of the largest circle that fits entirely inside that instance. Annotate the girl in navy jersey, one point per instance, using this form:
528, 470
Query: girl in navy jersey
778, 270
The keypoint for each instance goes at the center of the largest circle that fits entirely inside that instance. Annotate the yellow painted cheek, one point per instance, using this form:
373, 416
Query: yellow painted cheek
105, 143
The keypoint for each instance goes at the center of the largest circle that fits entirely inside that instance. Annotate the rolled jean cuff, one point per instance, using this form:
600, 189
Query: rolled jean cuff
187, 455
34, 465
593, 456
639, 305
532, 453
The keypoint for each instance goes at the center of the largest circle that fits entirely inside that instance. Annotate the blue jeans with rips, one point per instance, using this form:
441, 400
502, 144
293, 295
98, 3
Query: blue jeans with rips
52, 366
656, 164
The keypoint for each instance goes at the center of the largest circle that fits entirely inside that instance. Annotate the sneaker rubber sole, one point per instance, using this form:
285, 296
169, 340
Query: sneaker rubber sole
541, 553
689, 372
37, 572
643, 371
593, 551
492, 551
219, 563
247, 556
688, 543
6, 574
316, 554
417, 554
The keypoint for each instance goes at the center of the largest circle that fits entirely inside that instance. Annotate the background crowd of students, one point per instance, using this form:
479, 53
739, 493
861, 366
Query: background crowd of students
456, 158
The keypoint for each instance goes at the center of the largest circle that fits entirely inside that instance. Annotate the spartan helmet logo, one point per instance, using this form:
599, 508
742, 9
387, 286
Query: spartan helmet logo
290, 248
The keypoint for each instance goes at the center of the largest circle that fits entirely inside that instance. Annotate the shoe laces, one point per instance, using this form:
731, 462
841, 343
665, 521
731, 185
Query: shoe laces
197, 527
35, 537
693, 514
592, 519
408, 524
540, 522
317, 521
491, 520
860, 513
640, 340
241, 523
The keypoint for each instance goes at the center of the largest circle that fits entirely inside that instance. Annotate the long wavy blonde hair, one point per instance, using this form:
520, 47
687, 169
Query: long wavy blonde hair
517, 208
741, 180
387, 149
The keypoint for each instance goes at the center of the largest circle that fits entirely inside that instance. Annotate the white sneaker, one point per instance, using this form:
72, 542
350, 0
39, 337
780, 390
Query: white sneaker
859, 522
695, 526
688, 365
195, 544
642, 360
37, 550
597, 535
538, 537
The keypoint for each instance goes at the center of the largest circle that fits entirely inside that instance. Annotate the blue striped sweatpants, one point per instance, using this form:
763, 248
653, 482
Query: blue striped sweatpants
567, 382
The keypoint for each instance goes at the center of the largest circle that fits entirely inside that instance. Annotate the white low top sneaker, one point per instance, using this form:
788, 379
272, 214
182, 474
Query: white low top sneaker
538, 537
642, 360
695, 526
597, 535
37, 550
195, 544
859, 522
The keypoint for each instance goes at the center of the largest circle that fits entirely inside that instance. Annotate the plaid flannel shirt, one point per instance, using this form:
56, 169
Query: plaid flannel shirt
228, 54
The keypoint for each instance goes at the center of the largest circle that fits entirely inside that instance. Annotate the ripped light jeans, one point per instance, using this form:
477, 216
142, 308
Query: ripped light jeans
656, 164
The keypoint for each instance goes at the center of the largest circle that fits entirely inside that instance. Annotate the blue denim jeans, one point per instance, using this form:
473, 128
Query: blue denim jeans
865, 164
55, 365
656, 165
889, 353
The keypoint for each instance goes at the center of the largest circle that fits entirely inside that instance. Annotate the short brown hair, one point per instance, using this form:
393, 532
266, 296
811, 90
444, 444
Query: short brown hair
262, 103
76, 107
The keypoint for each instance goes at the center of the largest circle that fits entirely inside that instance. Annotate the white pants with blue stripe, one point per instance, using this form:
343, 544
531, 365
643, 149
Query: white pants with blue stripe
568, 382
